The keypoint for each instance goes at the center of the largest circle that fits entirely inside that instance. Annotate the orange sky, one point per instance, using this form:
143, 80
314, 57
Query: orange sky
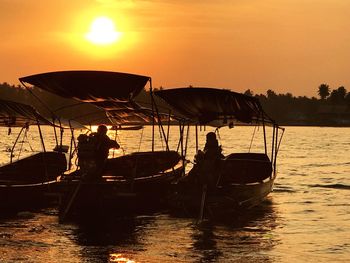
283, 45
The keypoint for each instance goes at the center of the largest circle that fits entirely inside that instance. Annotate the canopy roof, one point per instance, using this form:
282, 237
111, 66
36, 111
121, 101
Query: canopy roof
111, 92
89, 86
211, 106
15, 114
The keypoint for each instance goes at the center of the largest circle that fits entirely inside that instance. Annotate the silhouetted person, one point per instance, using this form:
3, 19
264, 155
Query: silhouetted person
212, 150
102, 145
93, 151
206, 169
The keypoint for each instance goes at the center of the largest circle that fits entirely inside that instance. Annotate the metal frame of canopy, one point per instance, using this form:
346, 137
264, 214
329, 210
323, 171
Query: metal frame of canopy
27, 181
85, 86
15, 114
215, 107
109, 92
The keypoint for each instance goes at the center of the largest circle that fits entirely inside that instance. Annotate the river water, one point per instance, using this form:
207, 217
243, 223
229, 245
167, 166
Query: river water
305, 219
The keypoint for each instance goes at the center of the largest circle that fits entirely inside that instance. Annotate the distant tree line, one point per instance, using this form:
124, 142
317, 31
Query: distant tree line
331, 108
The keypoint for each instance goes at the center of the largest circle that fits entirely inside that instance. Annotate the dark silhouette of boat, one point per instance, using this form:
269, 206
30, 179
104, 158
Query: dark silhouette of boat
127, 128
232, 182
25, 182
139, 180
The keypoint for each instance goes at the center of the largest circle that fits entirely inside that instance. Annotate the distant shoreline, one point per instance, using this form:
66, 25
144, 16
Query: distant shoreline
335, 125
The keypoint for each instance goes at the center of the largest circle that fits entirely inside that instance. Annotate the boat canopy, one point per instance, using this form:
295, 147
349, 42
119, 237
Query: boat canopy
89, 86
212, 106
111, 92
15, 114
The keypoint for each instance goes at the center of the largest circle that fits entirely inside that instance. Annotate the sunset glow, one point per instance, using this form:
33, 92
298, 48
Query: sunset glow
103, 32
285, 46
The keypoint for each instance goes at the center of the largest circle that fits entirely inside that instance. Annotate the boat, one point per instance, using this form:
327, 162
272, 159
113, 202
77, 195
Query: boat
240, 180
131, 182
127, 128
25, 182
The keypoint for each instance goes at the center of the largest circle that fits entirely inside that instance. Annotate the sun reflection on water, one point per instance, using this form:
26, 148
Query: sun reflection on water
120, 258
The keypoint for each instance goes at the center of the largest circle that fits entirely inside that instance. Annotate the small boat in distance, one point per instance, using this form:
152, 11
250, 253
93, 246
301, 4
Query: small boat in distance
223, 184
25, 182
126, 128
138, 180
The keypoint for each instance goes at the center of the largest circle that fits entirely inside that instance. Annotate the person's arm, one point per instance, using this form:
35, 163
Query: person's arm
114, 144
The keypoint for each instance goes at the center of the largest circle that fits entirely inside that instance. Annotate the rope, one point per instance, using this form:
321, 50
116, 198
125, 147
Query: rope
22, 142
30, 146
40, 101
120, 143
218, 133
251, 141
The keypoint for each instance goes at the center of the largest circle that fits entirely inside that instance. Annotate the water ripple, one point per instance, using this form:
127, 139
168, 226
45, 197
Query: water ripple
333, 186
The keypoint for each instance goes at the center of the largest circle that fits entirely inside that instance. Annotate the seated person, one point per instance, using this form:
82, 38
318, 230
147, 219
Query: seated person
207, 161
93, 151
211, 151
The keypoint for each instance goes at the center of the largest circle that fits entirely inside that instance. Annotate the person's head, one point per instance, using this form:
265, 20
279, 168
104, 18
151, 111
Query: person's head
102, 129
211, 136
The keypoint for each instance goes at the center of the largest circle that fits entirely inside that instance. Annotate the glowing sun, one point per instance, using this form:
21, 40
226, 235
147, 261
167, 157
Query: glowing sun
103, 32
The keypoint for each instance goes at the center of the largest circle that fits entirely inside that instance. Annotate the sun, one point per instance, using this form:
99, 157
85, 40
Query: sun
103, 32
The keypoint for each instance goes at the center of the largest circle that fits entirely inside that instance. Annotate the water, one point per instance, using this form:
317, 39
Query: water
305, 219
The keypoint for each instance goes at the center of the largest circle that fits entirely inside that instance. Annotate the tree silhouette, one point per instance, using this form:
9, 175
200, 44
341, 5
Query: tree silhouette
338, 96
341, 92
323, 91
271, 94
248, 92
347, 99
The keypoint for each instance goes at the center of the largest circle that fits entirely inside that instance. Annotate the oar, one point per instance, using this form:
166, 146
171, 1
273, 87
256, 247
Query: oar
201, 211
72, 199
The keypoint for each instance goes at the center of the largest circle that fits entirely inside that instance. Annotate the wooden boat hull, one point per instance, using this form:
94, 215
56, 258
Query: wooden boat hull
118, 191
27, 196
221, 201
242, 181
27, 183
37, 168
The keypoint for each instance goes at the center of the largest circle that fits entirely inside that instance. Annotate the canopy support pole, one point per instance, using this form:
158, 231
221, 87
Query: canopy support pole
273, 143
151, 92
160, 125
72, 141
275, 157
54, 130
15, 143
41, 137
196, 138
61, 133
187, 135
263, 122
168, 128
279, 143
180, 139
182, 129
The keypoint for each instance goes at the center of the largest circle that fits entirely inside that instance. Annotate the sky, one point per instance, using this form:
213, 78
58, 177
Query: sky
284, 45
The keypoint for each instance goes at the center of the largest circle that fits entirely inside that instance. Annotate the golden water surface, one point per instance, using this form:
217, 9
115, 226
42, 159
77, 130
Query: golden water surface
305, 219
